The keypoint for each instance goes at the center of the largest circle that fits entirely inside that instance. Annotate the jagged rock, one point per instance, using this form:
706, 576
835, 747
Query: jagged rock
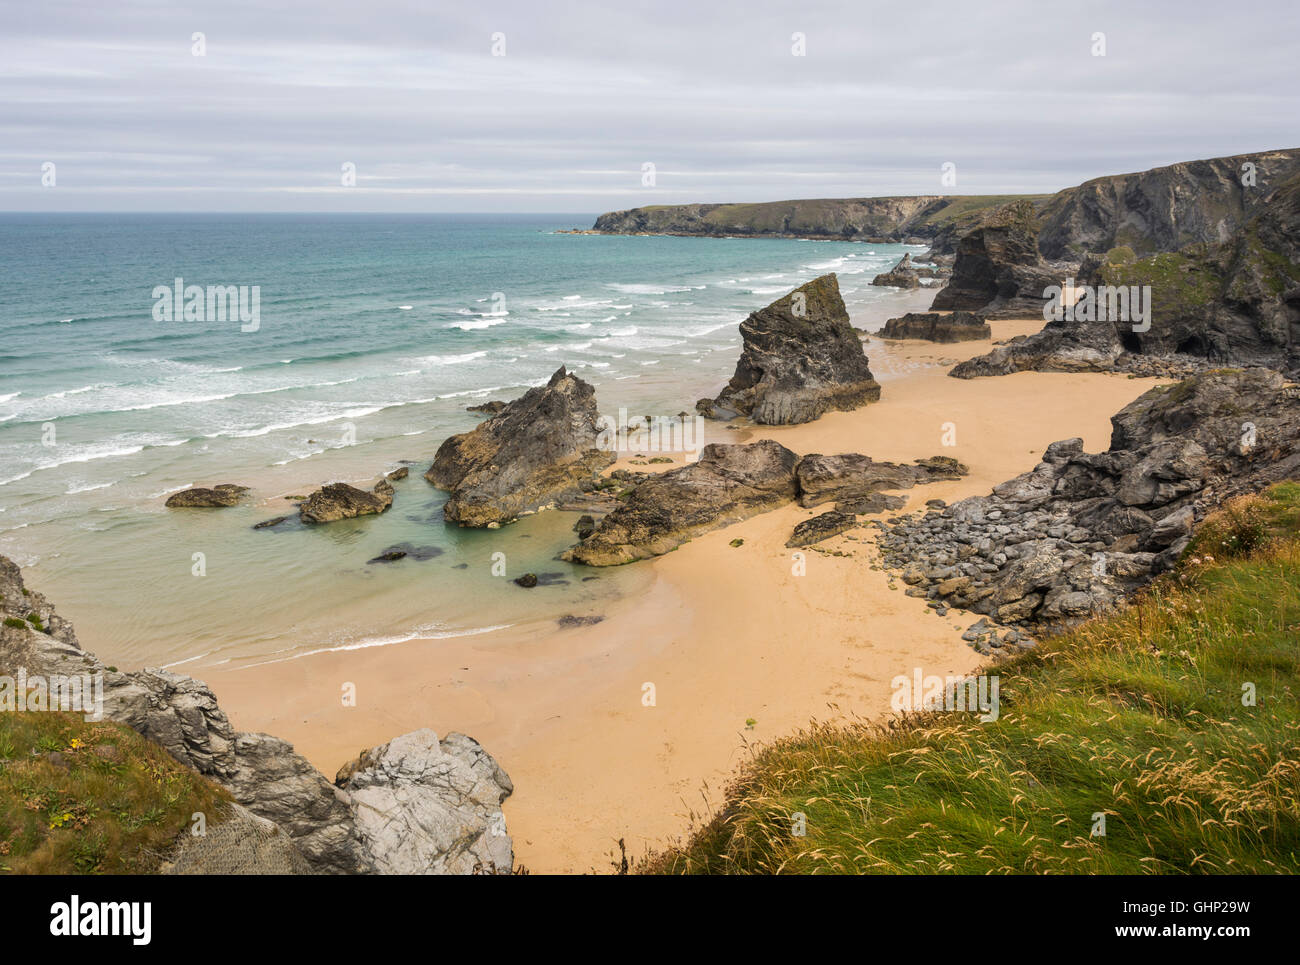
902, 275
540, 449
226, 494
341, 501
421, 806
398, 474
585, 526
998, 271
821, 527
797, 365
332, 830
727, 484
1163, 209
848, 477
1080, 531
938, 327
492, 408
268, 523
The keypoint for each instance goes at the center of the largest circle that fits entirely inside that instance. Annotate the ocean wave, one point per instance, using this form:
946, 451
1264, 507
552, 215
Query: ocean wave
427, 632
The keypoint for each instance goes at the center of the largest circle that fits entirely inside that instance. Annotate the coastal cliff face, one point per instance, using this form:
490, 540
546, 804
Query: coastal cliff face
541, 447
450, 790
801, 358
1235, 302
1164, 209
916, 220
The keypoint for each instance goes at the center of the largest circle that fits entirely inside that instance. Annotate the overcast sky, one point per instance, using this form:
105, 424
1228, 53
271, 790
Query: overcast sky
709, 91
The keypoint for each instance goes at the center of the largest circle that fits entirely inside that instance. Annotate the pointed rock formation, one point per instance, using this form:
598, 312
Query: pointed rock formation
902, 275
801, 359
542, 447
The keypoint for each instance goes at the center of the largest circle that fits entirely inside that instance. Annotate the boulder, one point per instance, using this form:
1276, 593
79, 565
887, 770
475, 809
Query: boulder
902, 275
541, 448
938, 327
341, 501
801, 358
424, 806
821, 527
727, 484
851, 476
226, 494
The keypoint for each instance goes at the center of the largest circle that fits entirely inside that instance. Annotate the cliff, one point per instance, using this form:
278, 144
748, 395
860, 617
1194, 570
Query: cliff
923, 219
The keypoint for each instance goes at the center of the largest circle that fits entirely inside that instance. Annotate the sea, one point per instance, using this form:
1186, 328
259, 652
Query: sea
363, 339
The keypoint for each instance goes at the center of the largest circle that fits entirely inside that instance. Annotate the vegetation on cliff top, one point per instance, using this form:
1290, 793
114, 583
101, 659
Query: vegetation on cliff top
1140, 716
78, 797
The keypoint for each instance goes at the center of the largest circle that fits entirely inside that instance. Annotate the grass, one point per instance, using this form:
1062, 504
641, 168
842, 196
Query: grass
1143, 717
78, 797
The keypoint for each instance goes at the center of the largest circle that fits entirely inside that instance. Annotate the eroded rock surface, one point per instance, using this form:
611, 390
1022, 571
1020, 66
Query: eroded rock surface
539, 449
938, 327
801, 359
726, 485
1071, 537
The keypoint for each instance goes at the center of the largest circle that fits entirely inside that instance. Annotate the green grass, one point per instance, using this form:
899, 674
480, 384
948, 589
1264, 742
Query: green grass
1139, 716
91, 798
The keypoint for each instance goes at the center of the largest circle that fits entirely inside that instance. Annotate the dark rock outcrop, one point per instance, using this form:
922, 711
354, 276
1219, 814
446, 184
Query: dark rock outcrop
727, 484
902, 275
821, 527
341, 501
801, 358
197, 497
849, 477
998, 271
541, 448
938, 327
491, 408
1073, 536
1163, 209
332, 828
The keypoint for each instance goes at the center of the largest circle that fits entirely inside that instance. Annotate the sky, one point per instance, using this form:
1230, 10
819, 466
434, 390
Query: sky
559, 106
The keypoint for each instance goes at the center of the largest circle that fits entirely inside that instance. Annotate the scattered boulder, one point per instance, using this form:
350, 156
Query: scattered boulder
821, 527
341, 501
492, 408
849, 477
801, 358
938, 327
726, 485
539, 449
1080, 531
226, 494
527, 581
569, 620
268, 523
398, 474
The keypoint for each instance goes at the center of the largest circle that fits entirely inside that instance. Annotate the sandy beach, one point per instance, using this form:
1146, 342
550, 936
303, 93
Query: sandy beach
722, 634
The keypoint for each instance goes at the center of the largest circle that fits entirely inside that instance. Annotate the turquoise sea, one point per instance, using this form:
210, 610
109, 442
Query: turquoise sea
374, 334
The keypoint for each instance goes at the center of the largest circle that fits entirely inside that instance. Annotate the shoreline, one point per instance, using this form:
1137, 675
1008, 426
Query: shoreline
561, 709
